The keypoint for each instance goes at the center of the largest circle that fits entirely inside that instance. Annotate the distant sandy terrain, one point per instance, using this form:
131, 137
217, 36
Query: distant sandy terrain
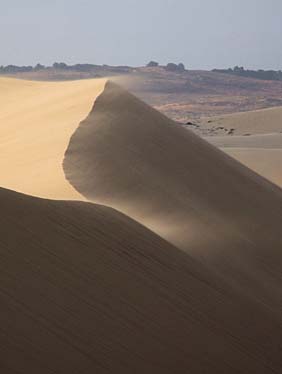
263, 121
37, 120
266, 162
261, 147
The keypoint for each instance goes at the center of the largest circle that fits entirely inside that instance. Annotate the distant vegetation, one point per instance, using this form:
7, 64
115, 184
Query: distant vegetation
152, 64
270, 75
174, 67
89, 68
11, 69
169, 67
86, 68
102, 70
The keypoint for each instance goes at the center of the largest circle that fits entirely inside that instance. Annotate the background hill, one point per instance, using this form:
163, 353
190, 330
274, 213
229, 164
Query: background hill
184, 95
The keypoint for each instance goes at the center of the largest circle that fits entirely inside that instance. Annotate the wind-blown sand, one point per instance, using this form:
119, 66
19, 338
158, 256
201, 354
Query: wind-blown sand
84, 289
131, 157
37, 120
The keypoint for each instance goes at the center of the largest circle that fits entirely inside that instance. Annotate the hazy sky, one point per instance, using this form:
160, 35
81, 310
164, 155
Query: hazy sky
200, 33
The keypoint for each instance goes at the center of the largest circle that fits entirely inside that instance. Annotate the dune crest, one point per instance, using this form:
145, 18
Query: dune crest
85, 288
129, 156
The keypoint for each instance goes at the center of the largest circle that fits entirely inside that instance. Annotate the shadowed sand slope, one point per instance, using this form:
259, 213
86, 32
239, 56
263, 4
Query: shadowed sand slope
131, 157
37, 120
84, 289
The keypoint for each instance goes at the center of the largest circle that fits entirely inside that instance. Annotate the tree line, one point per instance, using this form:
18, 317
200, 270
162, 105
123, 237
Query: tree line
272, 75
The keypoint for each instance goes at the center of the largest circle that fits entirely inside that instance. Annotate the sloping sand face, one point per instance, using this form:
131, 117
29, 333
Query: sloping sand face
129, 156
37, 120
85, 289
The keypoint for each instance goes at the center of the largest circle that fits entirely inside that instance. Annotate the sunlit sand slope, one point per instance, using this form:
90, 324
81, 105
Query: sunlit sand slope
84, 289
36, 122
131, 157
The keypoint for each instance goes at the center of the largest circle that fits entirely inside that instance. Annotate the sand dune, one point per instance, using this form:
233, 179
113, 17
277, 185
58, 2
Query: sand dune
129, 156
37, 120
85, 289
267, 162
262, 141
256, 139
261, 121
262, 153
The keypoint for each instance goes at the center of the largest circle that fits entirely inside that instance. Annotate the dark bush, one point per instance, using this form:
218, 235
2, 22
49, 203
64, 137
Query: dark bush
152, 64
174, 67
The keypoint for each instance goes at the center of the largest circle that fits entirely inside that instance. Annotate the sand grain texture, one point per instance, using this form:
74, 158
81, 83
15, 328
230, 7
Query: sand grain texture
85, 289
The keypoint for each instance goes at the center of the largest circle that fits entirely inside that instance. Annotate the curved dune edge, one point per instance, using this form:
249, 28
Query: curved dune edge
128, 156
84, 288
98, 292
37, 121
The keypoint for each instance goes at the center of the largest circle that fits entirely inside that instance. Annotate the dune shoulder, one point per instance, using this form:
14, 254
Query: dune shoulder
97, 291
128, 156
37, 121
